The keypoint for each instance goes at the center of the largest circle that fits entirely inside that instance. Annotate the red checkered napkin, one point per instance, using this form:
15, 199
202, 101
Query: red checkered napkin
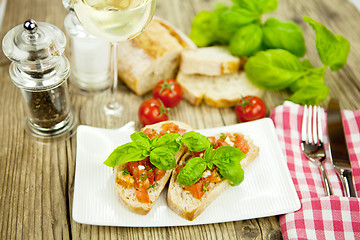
320, 216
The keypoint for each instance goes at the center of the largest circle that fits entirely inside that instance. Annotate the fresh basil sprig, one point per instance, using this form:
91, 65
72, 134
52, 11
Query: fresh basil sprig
226, 158
160, 150
241, 27
279, 69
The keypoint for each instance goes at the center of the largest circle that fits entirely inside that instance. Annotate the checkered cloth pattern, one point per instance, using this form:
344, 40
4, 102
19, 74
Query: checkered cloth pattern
320, 216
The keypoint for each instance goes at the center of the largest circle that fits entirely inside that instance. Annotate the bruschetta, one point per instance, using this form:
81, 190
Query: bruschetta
221, 166
143, 167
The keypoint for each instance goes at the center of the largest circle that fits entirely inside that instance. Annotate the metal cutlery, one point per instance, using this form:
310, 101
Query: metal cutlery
338, 148
312, 142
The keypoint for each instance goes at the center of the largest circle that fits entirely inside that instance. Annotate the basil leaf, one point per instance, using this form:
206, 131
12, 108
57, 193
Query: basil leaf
258, 6
246, 41
234, 173
313, 93
225, 156
170, 141
208, 156
312, 75
206, 27
284, 35
273, 69
333, 49
232, 19
162, 158
195, 141
307, 64
191, 172
221, 35
227, 159
201, 33
126, 153
141, 140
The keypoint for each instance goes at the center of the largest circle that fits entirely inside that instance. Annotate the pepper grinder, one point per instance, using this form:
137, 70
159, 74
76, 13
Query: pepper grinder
40, 70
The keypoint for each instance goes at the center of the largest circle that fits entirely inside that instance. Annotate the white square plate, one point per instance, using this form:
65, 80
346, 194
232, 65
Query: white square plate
267, 189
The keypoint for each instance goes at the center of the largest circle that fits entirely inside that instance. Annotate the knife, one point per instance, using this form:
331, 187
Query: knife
338, 149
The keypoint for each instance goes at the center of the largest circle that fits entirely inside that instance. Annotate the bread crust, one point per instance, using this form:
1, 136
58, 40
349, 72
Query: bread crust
127, 195
179, 200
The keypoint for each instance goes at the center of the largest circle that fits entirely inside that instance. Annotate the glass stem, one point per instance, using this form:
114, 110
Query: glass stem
114, 76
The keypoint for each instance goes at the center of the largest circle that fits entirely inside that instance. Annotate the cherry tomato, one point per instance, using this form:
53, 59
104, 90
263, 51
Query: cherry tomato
250, 108
152, 111
169, 92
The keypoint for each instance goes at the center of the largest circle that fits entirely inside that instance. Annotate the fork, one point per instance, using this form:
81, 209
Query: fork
312, 142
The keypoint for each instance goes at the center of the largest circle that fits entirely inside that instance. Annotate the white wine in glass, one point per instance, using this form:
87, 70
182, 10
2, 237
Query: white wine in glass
114, 21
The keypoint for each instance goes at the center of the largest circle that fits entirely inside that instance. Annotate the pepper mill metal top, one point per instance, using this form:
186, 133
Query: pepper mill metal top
31, 26
31, 42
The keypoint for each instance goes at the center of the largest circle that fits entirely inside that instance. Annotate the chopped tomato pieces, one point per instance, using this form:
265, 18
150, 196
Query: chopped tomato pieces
159, 174
198, 189
142, 195
144, 174
236, 139
172, 128
241, 143
151, 132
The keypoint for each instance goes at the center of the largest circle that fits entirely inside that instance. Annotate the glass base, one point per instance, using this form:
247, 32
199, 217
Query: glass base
102, 111
65, 128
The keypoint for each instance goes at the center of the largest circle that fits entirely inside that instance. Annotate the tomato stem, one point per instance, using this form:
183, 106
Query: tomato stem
166, 85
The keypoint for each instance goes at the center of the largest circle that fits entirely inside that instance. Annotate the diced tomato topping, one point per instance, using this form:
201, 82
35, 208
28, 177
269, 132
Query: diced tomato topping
151, 176
144, 174
241, 143
198, 154
159, 174
220, 142
212, 140
142, 195
238, 140
151, 132
196, 189
172, 128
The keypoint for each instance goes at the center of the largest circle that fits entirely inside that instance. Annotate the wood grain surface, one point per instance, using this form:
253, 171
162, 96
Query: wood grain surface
37, 178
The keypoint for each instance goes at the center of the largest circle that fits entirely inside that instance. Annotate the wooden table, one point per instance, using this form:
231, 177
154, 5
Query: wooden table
37, 180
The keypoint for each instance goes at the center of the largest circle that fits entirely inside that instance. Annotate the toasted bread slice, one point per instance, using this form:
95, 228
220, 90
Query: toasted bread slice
185, 205
209, 61
127, 194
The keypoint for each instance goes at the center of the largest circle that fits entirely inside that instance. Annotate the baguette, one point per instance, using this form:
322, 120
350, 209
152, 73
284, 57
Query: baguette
127, 195
183, 203
151, 56
209, 61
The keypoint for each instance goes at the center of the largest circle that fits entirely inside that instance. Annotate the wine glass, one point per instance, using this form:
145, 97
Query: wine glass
114, 21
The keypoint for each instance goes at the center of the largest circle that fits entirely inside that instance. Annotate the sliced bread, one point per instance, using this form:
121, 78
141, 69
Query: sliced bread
185, 205
217, 91
209, 61
127, 195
